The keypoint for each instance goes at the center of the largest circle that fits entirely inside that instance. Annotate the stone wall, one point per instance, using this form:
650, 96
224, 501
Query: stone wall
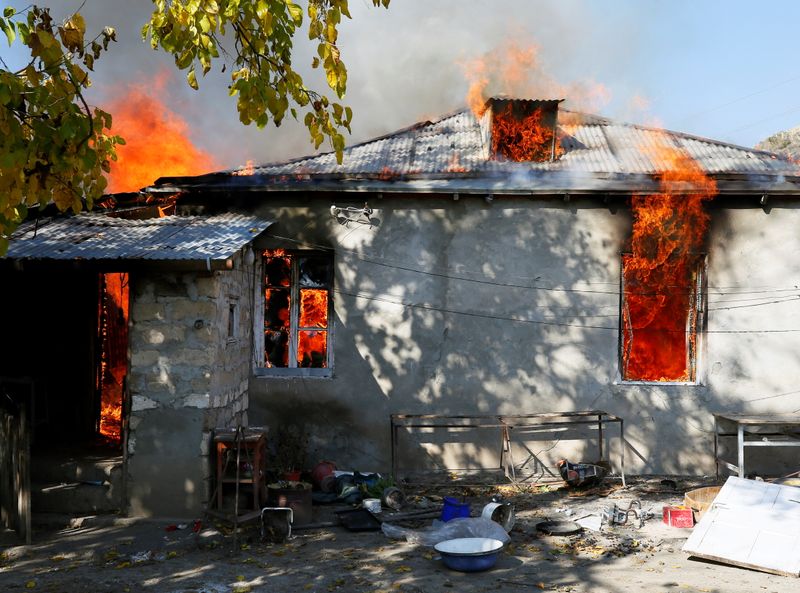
187, 376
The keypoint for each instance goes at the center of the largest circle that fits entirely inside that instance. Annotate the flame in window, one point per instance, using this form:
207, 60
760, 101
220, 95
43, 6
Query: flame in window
659, 319
523, 138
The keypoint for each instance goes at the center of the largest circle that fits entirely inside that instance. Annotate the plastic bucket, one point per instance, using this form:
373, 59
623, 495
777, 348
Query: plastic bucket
453, 508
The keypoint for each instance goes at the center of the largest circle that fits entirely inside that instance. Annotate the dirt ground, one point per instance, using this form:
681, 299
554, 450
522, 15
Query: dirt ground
132, 556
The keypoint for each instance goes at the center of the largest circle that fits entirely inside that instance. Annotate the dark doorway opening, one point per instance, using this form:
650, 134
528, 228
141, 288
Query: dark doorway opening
66, 360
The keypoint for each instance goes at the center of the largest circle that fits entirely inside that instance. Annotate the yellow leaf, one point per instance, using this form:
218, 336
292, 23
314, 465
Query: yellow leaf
30, 584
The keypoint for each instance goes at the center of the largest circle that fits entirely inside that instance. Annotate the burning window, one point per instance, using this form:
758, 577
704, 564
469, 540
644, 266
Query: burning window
523, 130
662, 314
663, 274
298, 304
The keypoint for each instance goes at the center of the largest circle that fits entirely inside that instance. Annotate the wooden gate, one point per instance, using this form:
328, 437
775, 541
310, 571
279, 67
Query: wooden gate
15, 469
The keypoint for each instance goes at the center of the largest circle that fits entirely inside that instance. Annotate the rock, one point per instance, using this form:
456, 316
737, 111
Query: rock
786, 143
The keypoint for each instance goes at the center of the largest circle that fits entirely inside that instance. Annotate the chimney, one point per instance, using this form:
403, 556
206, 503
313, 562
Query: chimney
521, 130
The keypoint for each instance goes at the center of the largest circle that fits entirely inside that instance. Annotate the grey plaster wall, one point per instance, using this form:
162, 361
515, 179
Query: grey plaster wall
459, 307
187, 376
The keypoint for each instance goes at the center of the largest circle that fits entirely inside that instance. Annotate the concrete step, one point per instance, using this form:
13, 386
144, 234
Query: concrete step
75, 497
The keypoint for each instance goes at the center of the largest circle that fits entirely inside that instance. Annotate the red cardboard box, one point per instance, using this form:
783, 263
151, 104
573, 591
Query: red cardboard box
678, 516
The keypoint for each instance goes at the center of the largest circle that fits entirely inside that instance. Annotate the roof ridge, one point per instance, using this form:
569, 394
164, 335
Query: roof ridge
402, 131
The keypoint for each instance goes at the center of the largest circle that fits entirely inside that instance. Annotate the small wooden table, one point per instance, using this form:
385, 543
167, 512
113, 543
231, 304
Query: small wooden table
252, 443
754, 430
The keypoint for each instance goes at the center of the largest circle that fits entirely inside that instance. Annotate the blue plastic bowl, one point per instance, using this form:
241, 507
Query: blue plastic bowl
469, 554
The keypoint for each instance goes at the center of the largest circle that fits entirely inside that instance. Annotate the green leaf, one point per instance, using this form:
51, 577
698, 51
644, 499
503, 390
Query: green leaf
192, 79
9, 11
8, 29
295, 12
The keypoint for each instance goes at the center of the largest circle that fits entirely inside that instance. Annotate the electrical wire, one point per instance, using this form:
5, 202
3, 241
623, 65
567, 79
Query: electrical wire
384, 262
545, 322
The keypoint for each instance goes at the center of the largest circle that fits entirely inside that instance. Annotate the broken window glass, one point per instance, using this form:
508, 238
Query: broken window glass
315, 272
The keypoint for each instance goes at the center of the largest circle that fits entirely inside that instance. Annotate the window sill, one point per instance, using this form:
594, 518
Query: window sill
277, 373
651, 383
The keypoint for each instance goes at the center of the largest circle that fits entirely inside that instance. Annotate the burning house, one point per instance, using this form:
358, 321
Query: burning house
514, 258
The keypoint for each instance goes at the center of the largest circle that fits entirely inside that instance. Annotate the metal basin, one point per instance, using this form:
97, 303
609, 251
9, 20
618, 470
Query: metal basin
469, 554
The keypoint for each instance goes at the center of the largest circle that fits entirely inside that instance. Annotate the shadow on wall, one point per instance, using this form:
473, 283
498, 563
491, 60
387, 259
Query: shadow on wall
463, 307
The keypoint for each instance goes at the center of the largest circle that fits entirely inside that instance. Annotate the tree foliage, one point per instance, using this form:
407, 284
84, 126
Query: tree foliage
55, 148
261, 34
53, 145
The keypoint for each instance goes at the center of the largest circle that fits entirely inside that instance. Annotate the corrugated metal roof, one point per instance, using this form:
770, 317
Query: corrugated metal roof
93, 236
455, 148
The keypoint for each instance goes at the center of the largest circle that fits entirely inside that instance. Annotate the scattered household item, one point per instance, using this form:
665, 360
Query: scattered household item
558, 527
373, 505
322, 476
469, 554
501, 513
700, 500
342, 489
394, 498
294, 495
276, 524
367, 480
680, 516
593, 522
615, 515
581, 474
454, 508
751, 524
439, 531
358, 520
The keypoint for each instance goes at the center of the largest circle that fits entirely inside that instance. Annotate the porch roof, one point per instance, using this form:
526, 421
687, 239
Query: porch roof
93, 236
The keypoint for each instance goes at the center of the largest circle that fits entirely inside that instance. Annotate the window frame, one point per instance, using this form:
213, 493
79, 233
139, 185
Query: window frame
294, 319
698, 315
233, 318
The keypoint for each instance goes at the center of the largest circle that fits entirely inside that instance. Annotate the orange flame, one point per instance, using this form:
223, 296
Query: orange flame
660, 272
515, 70
156, 139
114, 354
522, 139
312, 347
248, 169
313, 308
455, 166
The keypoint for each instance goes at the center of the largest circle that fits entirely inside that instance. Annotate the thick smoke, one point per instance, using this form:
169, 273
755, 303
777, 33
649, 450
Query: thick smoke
405, 65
